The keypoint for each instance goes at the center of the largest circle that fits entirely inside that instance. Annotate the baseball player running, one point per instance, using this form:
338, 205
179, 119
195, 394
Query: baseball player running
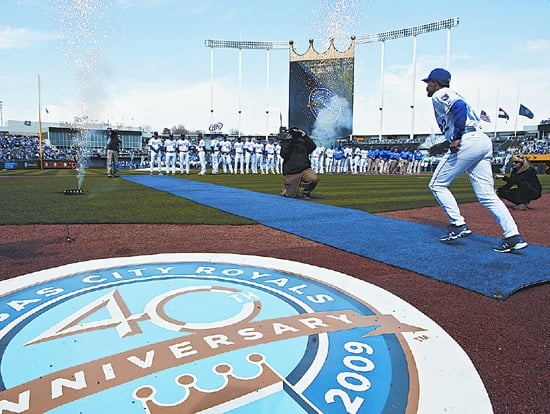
470, 150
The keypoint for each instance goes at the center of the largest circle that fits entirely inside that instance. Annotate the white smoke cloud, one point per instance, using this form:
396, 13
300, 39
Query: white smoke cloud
332, 120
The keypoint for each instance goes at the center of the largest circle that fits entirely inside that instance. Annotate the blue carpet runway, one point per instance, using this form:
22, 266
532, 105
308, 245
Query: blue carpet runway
469, 263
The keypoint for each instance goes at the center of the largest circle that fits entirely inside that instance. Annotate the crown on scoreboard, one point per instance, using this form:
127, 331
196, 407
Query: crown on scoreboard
234, 388
330, 53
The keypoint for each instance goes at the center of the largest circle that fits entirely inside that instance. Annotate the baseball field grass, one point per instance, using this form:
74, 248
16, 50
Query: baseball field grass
38, 196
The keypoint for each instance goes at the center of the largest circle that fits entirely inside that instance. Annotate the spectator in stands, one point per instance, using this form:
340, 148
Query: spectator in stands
522, 186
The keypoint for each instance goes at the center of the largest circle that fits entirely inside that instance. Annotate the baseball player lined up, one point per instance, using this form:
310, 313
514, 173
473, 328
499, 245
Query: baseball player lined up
184, 145
468, 149
214, 154
155, 153
270, 157
278, 158
329, 157
248, 152
170, 148
201, 150
225, 148
238, 147
257, 156
168, 154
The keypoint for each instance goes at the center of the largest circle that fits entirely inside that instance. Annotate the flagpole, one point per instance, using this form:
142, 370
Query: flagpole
517, 112
40, 128
496, 113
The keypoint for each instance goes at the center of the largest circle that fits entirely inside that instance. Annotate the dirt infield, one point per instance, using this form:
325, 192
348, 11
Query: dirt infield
506, 340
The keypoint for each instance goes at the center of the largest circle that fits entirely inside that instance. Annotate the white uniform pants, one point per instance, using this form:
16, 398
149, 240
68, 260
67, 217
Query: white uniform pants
255, 162
474, 158
170, 162
155, 157
202, 161
184, 161
270, 164
226, 163
215, 158
239, 162
247, 160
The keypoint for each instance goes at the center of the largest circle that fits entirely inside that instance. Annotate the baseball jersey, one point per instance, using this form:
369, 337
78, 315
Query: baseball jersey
214, 145
183, 145
451, 123
202, 145
338, 153
270, 149
258, 148
348, 152
239, 146
316, 153
169, 145
225, 146
155, 144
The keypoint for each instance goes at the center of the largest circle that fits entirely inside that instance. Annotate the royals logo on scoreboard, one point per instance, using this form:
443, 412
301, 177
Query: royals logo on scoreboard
189, 333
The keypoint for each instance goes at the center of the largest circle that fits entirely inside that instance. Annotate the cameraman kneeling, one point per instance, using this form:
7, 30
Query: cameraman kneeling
295, 150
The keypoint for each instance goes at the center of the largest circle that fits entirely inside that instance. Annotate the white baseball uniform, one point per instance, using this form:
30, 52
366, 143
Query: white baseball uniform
170, 148
473, 157
155, 153
183, 146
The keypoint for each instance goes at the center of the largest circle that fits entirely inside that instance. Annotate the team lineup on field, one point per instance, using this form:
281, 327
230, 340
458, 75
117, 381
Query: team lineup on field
251, 156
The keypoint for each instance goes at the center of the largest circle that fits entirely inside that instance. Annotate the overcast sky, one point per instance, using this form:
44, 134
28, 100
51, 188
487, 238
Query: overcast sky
144, 62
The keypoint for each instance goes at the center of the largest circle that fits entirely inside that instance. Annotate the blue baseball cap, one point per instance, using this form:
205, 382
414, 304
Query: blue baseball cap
440, 75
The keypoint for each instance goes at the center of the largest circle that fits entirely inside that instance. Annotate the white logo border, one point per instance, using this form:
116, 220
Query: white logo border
448, 380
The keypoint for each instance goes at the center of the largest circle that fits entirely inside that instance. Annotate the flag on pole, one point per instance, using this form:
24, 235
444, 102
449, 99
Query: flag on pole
502, 114
484, 116
524, 111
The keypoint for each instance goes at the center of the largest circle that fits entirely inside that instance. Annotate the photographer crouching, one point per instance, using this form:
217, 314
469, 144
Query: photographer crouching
295, 150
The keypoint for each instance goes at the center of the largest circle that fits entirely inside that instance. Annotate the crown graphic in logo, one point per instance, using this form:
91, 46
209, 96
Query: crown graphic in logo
235, 392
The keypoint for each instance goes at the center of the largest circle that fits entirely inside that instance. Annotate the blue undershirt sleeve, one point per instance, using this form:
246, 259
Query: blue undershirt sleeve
459, 111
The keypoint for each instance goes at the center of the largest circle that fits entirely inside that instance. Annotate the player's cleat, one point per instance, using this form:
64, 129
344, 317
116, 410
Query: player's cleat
456, 232
510, 244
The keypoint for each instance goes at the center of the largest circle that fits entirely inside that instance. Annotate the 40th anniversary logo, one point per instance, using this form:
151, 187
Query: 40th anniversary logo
219, 333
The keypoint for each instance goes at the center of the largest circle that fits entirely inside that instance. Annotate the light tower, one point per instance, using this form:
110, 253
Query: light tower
240, 45
408, 32
371, 38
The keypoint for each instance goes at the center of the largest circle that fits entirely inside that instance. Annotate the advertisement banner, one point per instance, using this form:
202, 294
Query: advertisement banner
59, 164
19, 165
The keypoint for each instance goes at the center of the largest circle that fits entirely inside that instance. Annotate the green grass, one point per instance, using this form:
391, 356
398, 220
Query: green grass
36, 197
